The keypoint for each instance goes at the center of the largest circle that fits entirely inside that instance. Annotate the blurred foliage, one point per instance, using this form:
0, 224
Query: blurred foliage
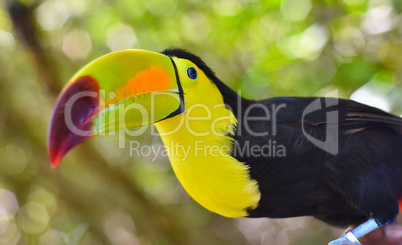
101, 195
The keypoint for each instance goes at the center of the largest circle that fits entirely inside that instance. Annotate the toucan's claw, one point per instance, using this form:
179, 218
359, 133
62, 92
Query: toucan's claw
343, 240
351, 236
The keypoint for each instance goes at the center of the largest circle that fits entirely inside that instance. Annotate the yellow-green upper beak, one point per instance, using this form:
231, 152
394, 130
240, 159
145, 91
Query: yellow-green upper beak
124, 89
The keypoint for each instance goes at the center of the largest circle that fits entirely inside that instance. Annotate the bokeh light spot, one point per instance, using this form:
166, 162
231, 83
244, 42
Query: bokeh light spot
33, 218
6, 39
349, 41
378, 20
52, 15
195, 27
77, 44
53, 237
121, 36
376, 92
44, 197
390, 54
4, 220
14, 159
227, 7
119, 228
11, 236
161, 7
307, 45
354, 2
296, 10
8, 202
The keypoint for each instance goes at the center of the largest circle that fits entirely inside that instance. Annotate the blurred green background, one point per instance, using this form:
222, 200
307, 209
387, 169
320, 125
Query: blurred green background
101, 195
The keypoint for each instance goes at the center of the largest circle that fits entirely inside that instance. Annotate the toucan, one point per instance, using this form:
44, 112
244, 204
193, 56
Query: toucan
334, 159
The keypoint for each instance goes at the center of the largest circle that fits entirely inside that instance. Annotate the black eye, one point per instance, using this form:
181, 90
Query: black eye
192, 73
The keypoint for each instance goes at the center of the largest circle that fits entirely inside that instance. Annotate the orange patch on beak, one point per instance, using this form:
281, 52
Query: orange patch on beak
153, 79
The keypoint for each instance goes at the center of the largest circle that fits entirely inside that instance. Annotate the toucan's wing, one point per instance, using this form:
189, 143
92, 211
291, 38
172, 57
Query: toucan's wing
357, 113
337, 188
350, 114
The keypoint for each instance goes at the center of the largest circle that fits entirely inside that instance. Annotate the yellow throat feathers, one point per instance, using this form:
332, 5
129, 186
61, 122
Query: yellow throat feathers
202, 159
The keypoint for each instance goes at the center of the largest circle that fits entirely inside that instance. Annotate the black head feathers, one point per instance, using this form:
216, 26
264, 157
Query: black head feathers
183, 54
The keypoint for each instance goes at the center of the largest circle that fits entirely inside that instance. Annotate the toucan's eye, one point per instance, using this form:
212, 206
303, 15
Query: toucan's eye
192, 73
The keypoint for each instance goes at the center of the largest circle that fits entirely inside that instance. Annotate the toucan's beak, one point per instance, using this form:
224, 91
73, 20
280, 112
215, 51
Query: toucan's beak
124, 89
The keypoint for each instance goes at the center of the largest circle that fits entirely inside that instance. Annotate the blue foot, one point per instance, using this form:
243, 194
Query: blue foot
351, 236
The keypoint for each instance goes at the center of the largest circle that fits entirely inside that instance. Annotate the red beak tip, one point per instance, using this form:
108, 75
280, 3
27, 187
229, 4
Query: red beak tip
54, 161
61, 138
54, 164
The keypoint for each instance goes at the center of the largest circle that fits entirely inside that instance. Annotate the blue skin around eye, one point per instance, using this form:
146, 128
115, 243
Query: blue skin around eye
192, 73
